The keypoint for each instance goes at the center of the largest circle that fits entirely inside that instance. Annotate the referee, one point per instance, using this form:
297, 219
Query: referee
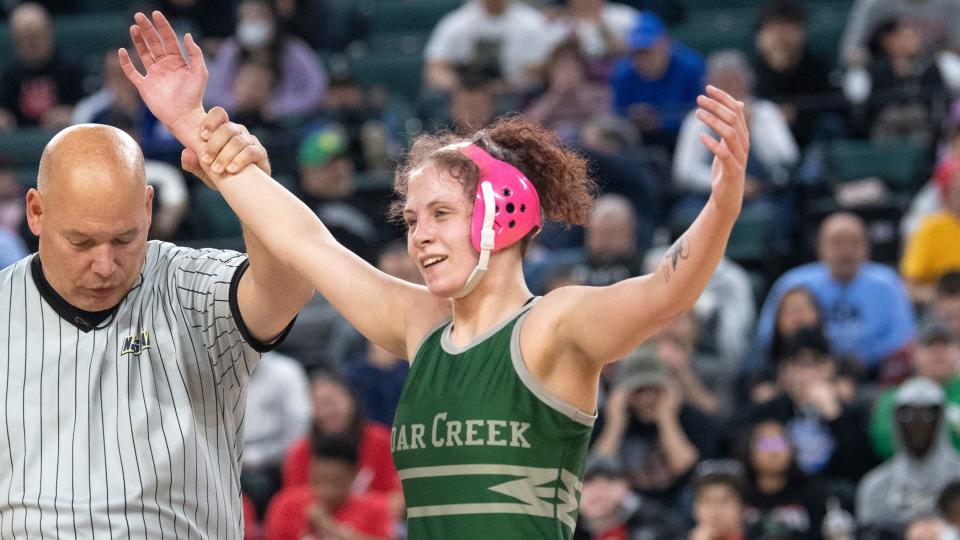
123, 362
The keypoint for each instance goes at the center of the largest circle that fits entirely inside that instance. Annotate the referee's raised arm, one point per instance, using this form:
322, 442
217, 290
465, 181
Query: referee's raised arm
270, 293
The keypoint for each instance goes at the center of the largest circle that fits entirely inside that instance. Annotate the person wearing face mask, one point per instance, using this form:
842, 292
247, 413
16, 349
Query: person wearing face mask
908, 485
300, 79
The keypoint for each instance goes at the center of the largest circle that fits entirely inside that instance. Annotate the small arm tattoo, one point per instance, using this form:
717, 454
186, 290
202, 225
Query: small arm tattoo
678, 251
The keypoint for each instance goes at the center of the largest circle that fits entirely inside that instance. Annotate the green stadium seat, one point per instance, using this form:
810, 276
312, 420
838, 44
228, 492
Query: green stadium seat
408, 17
89, 6
213, 216
710, 31
24, 146
91, 35
752, 239
899, 164
401, 73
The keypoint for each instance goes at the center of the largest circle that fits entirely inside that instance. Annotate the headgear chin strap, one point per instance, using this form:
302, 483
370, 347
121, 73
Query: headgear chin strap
506, 208
486, 241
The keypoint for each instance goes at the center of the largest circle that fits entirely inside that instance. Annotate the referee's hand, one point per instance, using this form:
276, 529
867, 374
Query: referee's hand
228, 148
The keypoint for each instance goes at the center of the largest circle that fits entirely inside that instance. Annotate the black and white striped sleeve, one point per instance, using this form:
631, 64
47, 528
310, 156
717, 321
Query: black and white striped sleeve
206, 284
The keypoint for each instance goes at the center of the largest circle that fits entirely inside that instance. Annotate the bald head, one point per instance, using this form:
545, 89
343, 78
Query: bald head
32, 33
91, 157
842, 245
610, 233
92, 212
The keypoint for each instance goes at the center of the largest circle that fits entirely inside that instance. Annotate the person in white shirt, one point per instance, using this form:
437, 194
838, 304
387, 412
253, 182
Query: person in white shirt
775, 151
278, 413
504, 38
600, 27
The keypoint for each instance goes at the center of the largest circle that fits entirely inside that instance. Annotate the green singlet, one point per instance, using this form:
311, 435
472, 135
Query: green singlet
482, 450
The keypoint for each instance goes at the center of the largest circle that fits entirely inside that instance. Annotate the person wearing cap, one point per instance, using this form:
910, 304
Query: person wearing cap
936, 357
931, 251
649, 428
827, 432
658, 82
327, 176
907, 486
609, 509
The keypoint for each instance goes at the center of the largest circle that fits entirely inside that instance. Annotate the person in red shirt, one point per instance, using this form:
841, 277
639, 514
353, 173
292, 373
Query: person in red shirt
335, 412
325, 509
251, 528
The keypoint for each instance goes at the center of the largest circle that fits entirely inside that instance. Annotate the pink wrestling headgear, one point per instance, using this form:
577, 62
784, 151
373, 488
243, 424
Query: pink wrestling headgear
505, 210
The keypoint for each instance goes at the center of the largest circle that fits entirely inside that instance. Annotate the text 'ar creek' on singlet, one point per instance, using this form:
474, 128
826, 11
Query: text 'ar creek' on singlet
481, 449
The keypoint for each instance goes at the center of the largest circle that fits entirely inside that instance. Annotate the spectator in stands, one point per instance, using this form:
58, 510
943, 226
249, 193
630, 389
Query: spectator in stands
328, 507
781, 501
658, 83
252, 88
718, 501
907, 96
930, 527
866, 311
928, 200
472, 104
611, 252
946, 302
600, 29
301, 79
608, 509
377, 376
372, 132
12, 246
252, 529
829, 435
39, 86
788, 72
118, 104
570, 99
936, 357
503, 39
647, 426
723, 319
932, 250
327, 183
335, 412
937, 23
277, 415
608, 248
948, 504
702, 381
622, 165
773, 151
798, 308
908, 486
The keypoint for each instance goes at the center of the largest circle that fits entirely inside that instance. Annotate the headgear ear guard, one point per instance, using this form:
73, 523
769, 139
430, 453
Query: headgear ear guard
505, 210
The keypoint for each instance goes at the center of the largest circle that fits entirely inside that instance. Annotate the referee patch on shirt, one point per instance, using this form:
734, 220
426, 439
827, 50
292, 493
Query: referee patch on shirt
136, 344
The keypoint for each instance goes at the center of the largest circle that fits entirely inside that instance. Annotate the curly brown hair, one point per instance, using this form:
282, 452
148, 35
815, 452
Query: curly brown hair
560, 175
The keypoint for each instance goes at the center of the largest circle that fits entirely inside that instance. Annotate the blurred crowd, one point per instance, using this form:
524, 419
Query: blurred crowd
814, 389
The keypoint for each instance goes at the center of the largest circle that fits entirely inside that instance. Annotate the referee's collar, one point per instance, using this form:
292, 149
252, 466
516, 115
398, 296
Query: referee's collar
82, 319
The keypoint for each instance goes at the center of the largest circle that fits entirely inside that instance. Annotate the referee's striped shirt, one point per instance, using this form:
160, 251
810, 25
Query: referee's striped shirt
127, 423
